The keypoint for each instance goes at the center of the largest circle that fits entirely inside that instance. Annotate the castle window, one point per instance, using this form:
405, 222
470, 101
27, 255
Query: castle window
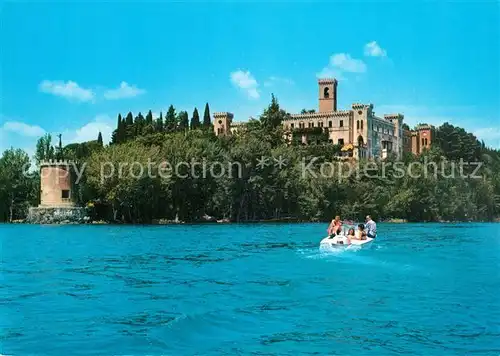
357, 124
341, 141
426, 142
311, 124
360, 112
291, 125
320, 124
330, 124
361, 125
220, 122
423, 144
65, 194
326, 93
341, 123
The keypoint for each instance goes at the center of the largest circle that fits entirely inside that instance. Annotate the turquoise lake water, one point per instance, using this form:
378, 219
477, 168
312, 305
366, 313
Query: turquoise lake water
423, 289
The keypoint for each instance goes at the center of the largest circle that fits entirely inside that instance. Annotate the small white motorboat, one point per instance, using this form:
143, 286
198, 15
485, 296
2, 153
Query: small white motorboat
341, 241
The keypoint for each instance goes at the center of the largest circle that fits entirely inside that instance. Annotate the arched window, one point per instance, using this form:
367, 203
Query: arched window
360, 140
220, 122
361, 124
326, 93
357, 124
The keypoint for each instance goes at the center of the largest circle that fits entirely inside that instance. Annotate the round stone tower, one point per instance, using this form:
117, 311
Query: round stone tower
56, 184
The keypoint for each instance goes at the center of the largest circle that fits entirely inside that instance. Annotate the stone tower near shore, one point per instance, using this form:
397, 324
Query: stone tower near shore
57, 197
56, 184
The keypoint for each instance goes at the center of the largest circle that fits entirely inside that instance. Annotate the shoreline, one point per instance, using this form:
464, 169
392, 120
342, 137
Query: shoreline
250, 222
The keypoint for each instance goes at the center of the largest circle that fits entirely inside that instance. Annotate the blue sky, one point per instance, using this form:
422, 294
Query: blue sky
72, 67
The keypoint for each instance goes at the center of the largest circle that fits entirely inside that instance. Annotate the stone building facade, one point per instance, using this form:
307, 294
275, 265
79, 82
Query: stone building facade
358, 128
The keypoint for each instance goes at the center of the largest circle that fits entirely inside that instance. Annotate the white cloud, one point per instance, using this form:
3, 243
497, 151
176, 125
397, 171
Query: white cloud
372, 49
346, 63
124, 91
342, 63
90, 131
23, 129
278, 80
246, 82
68, 90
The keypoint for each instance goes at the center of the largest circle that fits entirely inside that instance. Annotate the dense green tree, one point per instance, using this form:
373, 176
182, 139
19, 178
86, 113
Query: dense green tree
183, 120
159, 123
207, 122
99, 139
129, 127
149, 118
170, 120
195, 120
18, 186
44, 149
119, 134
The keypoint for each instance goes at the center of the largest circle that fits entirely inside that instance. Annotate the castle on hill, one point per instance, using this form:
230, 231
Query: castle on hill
359, 132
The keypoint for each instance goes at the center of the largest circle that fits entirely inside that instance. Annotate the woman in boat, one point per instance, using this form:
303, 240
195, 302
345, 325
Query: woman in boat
351, 234
361, 233
334, 226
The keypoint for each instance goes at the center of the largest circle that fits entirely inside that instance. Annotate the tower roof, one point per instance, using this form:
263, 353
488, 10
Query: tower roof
327, 81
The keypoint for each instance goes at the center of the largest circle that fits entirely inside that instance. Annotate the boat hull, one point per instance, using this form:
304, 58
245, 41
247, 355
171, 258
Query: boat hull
335, 243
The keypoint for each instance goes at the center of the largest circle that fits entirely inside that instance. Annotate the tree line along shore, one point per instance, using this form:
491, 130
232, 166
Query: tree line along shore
257, 193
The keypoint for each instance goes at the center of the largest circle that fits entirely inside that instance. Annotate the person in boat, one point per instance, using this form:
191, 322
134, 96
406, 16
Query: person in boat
337, 232
361, 233
371, 227
334, 226
351, 234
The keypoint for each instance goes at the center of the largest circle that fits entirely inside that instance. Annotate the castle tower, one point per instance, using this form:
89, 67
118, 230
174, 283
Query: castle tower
397, 121
327, 95
222, 123
56, 184
425, 137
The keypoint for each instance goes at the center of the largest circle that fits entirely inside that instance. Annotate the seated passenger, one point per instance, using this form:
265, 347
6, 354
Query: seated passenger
337, 232
334, 225
361, 233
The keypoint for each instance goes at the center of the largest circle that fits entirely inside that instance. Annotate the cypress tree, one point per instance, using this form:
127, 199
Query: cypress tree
183, 120
122, 132
139, 124
159, 123
99, 139
129, 126
206, 117
170, 120
149, 118
118, 136
195, 120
